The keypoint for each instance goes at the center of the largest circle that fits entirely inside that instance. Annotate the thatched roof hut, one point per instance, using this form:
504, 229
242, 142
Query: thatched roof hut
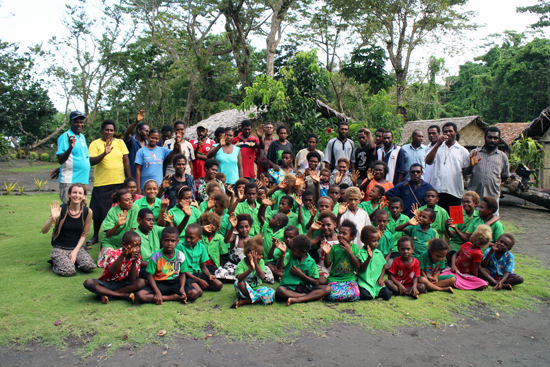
539, 129
510, 131
228, 118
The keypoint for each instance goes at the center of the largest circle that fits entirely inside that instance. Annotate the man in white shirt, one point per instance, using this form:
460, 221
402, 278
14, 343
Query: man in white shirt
186, 149
340, 147
449, 159
433, 134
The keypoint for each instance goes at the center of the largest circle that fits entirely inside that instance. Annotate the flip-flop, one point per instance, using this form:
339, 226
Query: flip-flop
89, 244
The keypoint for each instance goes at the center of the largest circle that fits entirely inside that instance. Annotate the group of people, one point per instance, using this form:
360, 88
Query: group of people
351, 223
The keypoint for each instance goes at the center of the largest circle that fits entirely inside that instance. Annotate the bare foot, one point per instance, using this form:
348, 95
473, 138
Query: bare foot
235, 304
290, 301
450, 290
132, 297
507, 287
104, 300
183, 299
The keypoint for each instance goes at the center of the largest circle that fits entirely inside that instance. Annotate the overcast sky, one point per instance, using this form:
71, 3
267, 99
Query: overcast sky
28, 22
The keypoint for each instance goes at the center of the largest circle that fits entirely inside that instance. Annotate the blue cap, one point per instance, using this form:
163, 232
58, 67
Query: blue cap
76, 114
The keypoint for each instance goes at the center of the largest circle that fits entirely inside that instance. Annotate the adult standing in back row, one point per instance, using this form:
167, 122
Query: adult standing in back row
277, 147
340, 147
135, 143
392, 155
250, 147
449, 159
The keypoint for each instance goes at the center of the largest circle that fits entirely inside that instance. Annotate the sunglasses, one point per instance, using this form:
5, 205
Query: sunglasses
416, 172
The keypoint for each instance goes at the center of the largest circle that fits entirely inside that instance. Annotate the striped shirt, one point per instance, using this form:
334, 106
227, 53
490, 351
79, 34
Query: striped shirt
489, 173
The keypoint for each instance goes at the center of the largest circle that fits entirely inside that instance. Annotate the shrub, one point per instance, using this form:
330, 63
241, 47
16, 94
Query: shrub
13, 156
33, 155
44, 157
22, 154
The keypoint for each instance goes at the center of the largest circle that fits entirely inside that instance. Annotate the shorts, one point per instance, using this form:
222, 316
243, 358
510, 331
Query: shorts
498, 277
394, 254
101, 202
168, 287
114, 286
443, 277
303, 289
364, 295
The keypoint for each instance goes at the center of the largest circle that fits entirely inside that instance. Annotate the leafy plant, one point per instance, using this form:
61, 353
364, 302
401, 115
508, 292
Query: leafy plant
40, 184
33, 155
530, 153
30, 160
44, 157
13, 156
10, 187
21, 189
4, 145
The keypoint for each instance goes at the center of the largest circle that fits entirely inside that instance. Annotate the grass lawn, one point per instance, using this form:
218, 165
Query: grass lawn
33, 168
33, 299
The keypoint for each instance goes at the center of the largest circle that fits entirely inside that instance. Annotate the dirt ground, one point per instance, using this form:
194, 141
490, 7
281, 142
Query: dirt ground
487, 341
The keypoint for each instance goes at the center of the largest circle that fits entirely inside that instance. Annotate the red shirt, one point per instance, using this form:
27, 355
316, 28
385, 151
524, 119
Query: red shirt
249, 150
123, 273
198, 164
465, 261
405, 274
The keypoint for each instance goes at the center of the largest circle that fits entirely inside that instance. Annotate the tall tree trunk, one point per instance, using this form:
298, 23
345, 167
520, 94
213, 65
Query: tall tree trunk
400, 91
190, 99
280, 9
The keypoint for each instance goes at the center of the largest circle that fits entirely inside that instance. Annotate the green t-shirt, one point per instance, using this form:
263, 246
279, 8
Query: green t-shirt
473, 221
335, 209
392, 224
244, 208
194, 256
224, 226
277, 196
497, 228
253, 280
215, 247
268, 239
369, 277
115, 242
142, 203
341, 269
441, 217
367, 206
420, 238
179, 215
428, 265
163, 268
204, 205
306, 216
150, 242
385, 244
308, 267
292, 219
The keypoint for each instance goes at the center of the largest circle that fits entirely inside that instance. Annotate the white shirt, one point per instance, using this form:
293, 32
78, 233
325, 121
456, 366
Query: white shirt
186, 149
360, 218
429, 170
448, 166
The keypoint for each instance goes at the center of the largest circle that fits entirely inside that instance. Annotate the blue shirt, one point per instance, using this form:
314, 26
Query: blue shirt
76, 169
405, 191
133, 146
506, 263
410, 156
151, 163
229, 164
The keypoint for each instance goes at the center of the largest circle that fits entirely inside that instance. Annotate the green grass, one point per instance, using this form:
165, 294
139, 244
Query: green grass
510, 227
33, 299
34, 168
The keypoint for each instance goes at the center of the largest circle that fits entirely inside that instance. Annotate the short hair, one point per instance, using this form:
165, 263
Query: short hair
220, 176
326, 198
482, 236
327, 214
334, 186
313, 135
280, 127
352, 191
491, 202
246, 123
416, 165
241, 181
381, 189
343, 123
366, 231
281, 217
492, 129
181, 190
207, 218
245, 217
301, 243
194, 227
438, 244
211, 185
210, 163
154, 131
292, 228
432, 190
343, 186
435, 127
170, 230
128, 180
349, 224
451, 124
289, 199
314, 154
431, 213
379, 212
227, 128
179, 122
143, 212
108, 122
475, 197
166, 128
290, 177
396, 199
287, 152
388, 132
308, 193
249, 186
510, 237
132, 236
416, 131
326, 170
253, 244
222, 198
345, 160
220, 130
403, 239
115, 198
383, 164
380, 130
178, 157
141, 125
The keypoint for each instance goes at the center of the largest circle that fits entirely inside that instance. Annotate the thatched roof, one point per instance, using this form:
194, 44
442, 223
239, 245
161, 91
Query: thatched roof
423, 125
511, 130
228, 118
538, 127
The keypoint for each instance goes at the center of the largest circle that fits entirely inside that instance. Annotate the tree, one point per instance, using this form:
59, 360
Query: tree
543, 11
403, 25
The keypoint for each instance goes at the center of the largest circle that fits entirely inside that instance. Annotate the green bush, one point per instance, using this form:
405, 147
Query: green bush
33, 155
13, 156
44, 157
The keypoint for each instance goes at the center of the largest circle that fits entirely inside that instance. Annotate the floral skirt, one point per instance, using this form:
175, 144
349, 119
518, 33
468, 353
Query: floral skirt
265, 294
344, 292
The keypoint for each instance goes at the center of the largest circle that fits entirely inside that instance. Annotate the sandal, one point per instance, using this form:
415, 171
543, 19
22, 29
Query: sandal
89, 244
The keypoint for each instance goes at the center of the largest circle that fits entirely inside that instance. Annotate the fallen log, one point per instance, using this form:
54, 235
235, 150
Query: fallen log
515, 187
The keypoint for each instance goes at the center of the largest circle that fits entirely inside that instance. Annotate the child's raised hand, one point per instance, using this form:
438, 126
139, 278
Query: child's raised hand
380, 231
186, 208
413, 221
280, 245
282, 185
267, 201
449, 224
317, 225
164, 204
240, 195
210, 202
326, 247
233, 220
369, 251
298, 200
251, 255
168, 218
55, 210
209, 228
383, 203
229, 189
296, 271
260, 184
166, 182
195, 204
312, 210
342, 208
414, 210
354, 177
122, 218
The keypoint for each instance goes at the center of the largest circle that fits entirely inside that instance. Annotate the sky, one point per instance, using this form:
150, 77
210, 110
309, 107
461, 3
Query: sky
30, 22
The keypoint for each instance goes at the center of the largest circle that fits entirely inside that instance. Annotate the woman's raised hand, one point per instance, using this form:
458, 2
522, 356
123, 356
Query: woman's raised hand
122, 218
166, 182
354, 177
233, 220
370, 174
314, 176
222, 140
55, 210
260, 131
108, 146
338, 177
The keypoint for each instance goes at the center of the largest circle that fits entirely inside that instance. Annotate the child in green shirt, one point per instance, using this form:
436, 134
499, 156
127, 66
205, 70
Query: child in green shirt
419, 229
184, 213
335, 192
396, 218
385, 243
375, 195
249, 205
432, 263
370, 275
487, 210
441, 215
300, 281
342, 261
273, 228
213, 241
149, 233
150, 201
274, 253
250, 273
211, 189
308, 211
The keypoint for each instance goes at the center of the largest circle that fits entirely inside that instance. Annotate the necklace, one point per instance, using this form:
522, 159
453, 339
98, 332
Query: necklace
77, 213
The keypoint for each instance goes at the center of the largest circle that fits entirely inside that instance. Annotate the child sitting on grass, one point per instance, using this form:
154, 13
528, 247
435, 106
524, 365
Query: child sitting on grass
196, 257
250, 273
324, 182
466, 261
404, 271
370, 275
213, 241
432, 262
396, 218
149, 233
342, 261
419, 228
300, 281
166, 274
273, 228
498, 264
350, 211
326, 225
120, 274
274, 253
441, 215
150, 201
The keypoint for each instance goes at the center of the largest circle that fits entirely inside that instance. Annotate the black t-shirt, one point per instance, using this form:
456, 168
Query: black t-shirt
276, 149
364, 158
70, 233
